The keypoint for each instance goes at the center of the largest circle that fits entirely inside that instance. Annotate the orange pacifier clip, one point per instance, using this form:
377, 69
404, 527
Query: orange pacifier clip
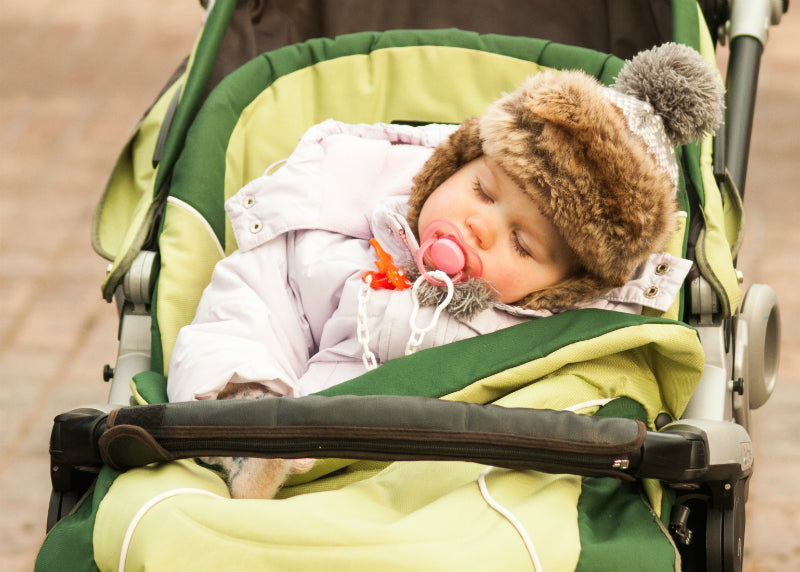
388, 276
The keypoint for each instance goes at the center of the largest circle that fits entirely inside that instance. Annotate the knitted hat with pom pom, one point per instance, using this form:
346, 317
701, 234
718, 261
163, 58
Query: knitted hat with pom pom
599, 162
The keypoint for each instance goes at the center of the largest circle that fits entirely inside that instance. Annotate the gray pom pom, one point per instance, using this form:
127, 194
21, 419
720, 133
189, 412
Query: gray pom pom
680, 85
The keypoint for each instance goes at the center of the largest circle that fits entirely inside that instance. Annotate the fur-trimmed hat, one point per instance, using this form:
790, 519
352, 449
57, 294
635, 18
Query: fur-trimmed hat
598, 161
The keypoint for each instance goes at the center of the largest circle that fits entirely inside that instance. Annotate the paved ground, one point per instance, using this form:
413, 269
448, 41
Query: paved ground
74, 77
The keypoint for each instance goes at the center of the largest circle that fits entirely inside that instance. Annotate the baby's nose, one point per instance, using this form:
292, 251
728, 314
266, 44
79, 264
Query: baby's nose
483, 229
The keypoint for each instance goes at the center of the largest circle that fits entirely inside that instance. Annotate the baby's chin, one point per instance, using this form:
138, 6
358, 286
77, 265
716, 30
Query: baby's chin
470, 298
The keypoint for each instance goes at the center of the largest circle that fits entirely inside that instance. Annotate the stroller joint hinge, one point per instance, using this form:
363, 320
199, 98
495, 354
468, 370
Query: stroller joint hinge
704, 302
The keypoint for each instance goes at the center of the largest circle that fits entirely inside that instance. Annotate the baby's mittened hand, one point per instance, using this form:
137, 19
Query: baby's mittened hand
255, 478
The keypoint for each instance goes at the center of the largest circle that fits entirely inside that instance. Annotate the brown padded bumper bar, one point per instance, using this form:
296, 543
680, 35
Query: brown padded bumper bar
373, 427
378, 428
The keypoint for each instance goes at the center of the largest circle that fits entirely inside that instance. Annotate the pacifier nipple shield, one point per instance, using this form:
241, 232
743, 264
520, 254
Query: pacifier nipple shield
443, 248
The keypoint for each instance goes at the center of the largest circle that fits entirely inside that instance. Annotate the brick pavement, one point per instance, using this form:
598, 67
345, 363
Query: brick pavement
74, 79
75, 76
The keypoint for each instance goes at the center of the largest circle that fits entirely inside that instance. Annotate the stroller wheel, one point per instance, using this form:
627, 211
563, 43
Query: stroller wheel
725, 532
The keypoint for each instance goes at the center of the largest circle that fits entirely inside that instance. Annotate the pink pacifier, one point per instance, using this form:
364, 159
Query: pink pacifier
443, 248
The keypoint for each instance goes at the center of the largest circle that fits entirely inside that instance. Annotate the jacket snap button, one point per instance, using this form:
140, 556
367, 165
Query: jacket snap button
651, 292
662, 269
249, 202
256, 226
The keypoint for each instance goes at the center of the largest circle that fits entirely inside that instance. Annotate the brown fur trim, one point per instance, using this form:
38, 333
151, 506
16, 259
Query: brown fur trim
565, 295
463, 146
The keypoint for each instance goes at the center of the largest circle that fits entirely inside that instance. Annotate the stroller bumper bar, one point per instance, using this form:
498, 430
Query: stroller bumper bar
398, 428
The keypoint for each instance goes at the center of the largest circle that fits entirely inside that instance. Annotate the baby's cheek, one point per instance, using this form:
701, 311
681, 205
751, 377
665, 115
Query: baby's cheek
506, 281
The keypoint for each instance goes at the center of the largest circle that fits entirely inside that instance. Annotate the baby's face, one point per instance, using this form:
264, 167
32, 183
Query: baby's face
521, 250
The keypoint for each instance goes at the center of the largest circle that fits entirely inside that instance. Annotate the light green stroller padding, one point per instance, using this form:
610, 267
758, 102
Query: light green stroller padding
434, 519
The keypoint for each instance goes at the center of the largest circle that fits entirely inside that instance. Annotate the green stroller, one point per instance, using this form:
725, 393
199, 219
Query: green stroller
651, 471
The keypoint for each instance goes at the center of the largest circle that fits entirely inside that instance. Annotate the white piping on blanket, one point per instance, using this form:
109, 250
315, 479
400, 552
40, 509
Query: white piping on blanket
587, 404
126, 542
509, 516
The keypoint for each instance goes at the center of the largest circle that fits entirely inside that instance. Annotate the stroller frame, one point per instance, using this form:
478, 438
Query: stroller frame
707, 455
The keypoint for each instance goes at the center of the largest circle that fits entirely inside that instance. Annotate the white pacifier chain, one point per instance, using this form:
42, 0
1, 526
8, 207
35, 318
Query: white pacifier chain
417, 333
362, 331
